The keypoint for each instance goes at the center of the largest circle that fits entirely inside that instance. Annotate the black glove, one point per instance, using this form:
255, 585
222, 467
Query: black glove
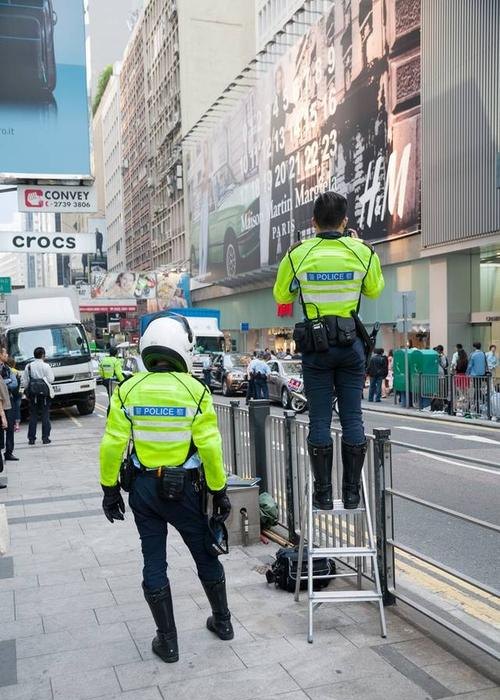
221, 505
112, 503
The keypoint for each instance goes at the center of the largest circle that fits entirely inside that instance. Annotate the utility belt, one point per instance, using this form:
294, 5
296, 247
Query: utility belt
317, 335
171, 480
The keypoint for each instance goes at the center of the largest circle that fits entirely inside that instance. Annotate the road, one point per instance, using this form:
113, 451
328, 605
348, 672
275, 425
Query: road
468, 489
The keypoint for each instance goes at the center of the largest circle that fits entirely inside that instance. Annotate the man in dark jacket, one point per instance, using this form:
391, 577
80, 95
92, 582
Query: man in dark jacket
377, 371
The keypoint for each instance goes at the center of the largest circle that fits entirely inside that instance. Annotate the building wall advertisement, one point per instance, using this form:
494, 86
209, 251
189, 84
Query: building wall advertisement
339, 109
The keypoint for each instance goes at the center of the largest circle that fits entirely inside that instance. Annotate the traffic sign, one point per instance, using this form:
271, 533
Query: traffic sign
5, 285
3, 307
402, 299
244, 327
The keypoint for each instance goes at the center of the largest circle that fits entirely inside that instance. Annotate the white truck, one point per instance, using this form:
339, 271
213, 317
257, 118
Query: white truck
205, 324
50, 318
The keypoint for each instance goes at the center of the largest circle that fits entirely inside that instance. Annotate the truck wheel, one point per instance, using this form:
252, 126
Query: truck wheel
86, 407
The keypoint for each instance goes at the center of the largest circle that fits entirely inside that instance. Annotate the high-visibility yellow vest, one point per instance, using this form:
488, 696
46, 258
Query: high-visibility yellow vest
111, 368
162, 412
332, 274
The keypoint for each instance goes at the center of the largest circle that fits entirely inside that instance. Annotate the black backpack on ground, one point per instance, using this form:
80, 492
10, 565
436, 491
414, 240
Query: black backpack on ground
283, 572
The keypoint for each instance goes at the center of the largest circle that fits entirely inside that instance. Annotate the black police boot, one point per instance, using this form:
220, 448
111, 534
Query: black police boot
353, 457
165, 643
321, 463
220, 621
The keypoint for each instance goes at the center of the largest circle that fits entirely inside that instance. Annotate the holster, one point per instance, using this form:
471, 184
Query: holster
128, 473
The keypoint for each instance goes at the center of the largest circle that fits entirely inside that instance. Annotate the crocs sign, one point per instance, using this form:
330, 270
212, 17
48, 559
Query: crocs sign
29, 242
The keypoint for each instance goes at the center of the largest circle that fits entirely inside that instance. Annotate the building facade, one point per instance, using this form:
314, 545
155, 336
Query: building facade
181, 56
112, 167
343, 95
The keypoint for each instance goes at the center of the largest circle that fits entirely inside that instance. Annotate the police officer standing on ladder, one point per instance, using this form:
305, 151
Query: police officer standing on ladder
330, 272
169, 419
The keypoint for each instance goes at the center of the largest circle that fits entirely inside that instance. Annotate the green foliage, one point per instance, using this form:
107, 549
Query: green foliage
101, 87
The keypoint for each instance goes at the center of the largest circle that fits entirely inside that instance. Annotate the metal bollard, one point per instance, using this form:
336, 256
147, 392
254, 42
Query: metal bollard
232, 434
384, 522
258, 411
291, 473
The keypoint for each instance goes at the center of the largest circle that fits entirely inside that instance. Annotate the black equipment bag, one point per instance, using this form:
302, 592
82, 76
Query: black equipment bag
36, 387
283, 572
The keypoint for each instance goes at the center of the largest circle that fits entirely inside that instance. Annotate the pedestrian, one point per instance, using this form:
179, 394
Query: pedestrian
478, 365
5, 405
454, 359
260, 370
38, 378
110, 368
329, 273
170, 419
207, 372
16, 394
12, 385
492, 359
389, 380
377, 371
443, 363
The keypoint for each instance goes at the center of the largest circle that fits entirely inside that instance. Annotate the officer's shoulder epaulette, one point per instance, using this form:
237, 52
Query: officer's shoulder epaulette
368, 245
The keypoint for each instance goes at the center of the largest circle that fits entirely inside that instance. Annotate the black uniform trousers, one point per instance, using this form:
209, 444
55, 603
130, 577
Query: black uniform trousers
152, 518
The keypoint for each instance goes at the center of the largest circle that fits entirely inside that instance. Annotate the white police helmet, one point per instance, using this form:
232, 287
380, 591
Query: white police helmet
168, 339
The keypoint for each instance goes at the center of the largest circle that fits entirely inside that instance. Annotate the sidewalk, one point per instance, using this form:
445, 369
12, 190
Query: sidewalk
388, 406
74, 624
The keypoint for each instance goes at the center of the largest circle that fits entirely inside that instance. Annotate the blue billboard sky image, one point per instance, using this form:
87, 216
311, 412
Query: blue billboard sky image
44, 114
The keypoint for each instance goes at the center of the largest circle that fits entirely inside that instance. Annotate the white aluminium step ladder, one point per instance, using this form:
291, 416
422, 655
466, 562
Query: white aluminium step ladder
355, 519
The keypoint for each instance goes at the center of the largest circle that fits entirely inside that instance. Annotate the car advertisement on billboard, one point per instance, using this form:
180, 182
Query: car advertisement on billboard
44, 111
339, 109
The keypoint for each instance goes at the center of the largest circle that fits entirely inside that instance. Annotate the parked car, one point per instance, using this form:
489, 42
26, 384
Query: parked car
27, 46
229, 373
286, 385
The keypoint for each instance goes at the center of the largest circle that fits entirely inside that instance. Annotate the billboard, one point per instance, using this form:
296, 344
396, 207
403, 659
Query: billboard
338, 109
44, 110
162, 290
56, 200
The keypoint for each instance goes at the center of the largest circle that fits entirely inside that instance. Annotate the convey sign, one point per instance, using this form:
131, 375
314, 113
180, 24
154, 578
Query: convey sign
29, 242
56, 199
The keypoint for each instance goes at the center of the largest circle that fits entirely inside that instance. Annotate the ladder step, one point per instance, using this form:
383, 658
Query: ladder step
342, 552
338, 507
345, 596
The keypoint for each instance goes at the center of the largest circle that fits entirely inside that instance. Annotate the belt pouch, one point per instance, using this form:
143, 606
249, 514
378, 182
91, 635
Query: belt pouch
319, 336
346, 331
302, 337
171, 484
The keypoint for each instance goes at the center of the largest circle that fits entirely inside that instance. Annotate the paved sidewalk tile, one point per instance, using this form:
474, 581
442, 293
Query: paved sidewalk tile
375, 688
85, 685
244, 684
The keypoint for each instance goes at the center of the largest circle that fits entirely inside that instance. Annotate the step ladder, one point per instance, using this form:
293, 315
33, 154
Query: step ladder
341, 517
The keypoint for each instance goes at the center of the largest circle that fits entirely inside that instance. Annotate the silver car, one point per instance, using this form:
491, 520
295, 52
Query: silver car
286, 384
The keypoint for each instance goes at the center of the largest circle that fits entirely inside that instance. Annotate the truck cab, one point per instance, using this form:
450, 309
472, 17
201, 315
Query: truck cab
50, 319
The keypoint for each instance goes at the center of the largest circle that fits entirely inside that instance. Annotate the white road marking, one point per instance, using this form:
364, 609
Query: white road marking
458, 464
472, 438
72, 418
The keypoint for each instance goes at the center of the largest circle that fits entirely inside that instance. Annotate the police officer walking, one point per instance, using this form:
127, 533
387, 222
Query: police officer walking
169, 418
111, 368
330, 272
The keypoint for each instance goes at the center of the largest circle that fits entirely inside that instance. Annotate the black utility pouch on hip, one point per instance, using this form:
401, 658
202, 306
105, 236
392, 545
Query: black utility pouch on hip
128, 472
319, 335
302, 337
171, 484
346, 331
